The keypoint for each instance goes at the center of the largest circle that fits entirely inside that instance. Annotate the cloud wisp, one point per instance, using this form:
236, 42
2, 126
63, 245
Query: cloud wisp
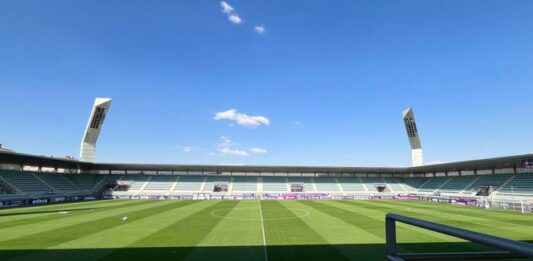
242, 118
227, 147
258, 151
260, 29
227, 9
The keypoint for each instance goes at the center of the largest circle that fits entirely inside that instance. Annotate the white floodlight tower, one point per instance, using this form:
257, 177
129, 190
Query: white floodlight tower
94, 126
414, 139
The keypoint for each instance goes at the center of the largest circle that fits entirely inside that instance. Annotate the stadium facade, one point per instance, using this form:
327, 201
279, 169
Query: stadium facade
505, 182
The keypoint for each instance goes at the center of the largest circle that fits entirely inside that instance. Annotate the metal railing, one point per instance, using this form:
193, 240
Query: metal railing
510, 248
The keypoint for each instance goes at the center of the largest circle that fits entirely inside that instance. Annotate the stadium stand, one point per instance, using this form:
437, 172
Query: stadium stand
275, 184
212, 181
245, 184
412, 184
30, 184
326, 184
433, 184
161, 183
188, 184
395, 185
26, 182
457, 184
352, 185
518, 185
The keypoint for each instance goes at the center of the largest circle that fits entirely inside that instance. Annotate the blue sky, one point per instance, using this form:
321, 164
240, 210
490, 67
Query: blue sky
329, 78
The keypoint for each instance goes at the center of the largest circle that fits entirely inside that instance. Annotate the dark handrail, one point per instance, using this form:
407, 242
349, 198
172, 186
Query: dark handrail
516, 249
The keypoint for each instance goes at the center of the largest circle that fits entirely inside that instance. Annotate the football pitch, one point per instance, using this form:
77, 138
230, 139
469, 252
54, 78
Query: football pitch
239, 230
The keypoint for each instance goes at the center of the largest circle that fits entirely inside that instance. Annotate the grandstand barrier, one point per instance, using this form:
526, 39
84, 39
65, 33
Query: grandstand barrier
21, 200
509, 248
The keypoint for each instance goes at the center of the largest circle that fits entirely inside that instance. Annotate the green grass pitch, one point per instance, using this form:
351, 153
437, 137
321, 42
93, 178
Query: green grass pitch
238, 230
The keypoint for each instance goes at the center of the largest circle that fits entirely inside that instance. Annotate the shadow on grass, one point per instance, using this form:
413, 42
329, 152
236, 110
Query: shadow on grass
277, 252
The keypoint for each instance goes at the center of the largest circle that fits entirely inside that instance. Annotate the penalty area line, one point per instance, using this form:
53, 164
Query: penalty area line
263, 230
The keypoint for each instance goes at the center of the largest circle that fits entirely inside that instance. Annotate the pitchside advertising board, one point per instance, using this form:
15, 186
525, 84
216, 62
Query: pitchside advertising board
40, 201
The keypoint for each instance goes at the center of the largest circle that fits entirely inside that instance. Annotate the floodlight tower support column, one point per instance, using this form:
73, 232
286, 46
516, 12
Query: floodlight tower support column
414, 139
94, 126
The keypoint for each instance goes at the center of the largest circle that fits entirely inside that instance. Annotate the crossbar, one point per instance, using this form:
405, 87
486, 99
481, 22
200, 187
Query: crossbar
511, 248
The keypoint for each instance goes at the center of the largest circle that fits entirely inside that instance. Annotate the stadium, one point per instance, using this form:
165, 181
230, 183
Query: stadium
81, 208
266, 130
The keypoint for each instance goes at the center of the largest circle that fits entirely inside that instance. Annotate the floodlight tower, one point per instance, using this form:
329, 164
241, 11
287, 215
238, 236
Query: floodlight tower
414, 139
94, 126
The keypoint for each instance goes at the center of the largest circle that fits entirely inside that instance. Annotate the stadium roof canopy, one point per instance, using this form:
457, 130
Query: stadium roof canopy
56, 163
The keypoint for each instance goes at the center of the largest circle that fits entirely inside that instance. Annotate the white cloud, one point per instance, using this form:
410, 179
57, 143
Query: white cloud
226, 8
260, 29
233, 152
241, 118
226, 147
258, 151
235, 19
188, 148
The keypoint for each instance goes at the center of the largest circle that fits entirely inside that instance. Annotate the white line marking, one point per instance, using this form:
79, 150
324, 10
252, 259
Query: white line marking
263, 229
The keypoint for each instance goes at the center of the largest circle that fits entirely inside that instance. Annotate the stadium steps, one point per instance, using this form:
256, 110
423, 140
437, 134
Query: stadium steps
444, 184
275, 185
43, 181
387, 185
202, 187
403, 187
423, 184
174, 185
245, 184
313, 185
364, 185
11, 186
520, 185
326, 184
70, 182
470, 185
395, 185
507, 182
260, 184
230, 187
144, 185
189, 184
351, 185
340, 187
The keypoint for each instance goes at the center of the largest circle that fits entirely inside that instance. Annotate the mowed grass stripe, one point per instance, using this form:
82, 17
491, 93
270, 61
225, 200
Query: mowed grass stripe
11, 233
105, 242
434, 213
374, 220
67, 233
414, 234
479, 214
239, 226
350, 240
367, 228
464, 219
176, 240
25, 218
283, 227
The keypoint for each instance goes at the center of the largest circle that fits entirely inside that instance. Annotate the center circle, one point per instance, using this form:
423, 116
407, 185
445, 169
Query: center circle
217, 213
